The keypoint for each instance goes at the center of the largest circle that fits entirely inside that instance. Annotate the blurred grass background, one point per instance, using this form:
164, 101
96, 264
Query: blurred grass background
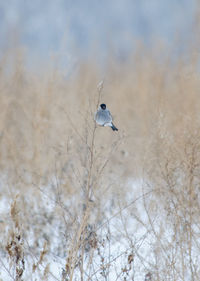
41, 111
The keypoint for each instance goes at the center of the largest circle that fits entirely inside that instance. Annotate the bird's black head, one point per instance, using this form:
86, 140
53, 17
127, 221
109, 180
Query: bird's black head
103, 106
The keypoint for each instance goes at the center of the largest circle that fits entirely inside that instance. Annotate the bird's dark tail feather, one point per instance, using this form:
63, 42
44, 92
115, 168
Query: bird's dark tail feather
114, 128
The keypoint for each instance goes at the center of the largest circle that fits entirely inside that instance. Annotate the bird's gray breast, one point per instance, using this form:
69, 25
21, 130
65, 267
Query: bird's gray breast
103, 116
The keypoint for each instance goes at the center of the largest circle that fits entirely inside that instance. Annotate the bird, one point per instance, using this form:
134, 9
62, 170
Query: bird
104, 118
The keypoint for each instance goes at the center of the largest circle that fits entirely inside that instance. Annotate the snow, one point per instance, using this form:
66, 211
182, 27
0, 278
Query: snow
126, 231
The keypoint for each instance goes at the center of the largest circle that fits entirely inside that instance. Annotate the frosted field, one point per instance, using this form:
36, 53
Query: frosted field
128, 243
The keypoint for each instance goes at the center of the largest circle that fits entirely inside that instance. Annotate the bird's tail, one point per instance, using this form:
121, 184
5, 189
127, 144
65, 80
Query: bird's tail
114, 128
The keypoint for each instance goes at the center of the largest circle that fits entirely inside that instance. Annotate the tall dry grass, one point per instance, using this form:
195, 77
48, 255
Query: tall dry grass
71, 177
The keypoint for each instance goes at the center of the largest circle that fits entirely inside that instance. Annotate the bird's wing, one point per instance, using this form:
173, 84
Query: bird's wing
110, 115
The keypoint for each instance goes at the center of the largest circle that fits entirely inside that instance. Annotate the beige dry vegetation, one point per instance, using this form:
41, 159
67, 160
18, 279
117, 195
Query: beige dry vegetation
66, 182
